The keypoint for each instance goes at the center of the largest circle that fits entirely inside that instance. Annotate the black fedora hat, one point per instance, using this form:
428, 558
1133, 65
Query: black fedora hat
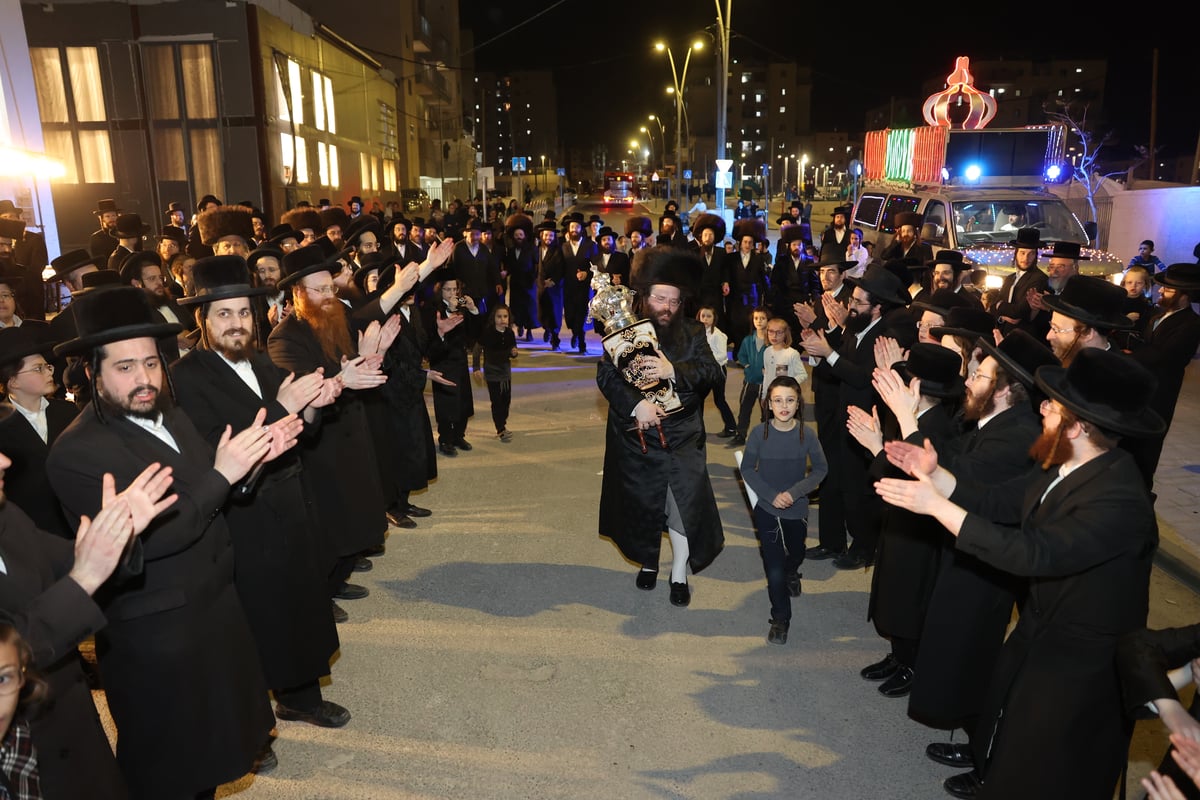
174, 206
606, 231
1107, 388
594, 218
130, 226
264, 251
131, 267
106, 206
1019, 354
1028, 238
9, 207
829, 259
1093, 301
370, 263
953, 258
305, 261
355, 229
393, 221
1068, 250
1183, 276
281, 233
12, 229
99, 280
938, 368
221, 278
966, 321
113, 315
17, 342
883, 285
70, 261
174, 234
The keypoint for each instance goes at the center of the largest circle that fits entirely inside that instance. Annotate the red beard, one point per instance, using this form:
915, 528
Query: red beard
328, 323
1052, 447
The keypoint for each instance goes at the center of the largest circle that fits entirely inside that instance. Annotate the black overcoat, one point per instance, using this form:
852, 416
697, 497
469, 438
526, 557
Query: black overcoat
633, 495
25, 482
576, 290
281, 558
54, 614
177, 646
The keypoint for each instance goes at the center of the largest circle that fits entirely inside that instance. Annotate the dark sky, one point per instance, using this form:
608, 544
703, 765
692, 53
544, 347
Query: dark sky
604, 64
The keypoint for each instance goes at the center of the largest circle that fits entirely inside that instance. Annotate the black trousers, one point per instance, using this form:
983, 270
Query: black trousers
500, 393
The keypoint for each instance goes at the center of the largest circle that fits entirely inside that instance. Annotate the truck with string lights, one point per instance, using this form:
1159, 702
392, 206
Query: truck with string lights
974, 190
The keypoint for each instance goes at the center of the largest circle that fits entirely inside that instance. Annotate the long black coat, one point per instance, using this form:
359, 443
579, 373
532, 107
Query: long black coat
972, 602
54, 614
910, 545
340, 460
747, 289
449, 357
633, 495
1166, 351
281, 559
576, 290
522, 284
1053, 724
25, 482
1018, 284
177, 646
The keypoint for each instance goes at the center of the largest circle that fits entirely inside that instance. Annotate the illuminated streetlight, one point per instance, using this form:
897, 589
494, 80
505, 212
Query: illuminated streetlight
680, 82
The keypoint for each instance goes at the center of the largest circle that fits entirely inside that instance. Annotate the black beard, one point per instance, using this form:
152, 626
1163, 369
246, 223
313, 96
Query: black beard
158, 300
856, 322
162, 403
670, 334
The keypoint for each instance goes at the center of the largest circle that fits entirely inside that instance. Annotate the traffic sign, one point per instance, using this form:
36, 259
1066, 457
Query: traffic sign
723, 165
687, 174
518, 163
724, 180
562, 171
655, 177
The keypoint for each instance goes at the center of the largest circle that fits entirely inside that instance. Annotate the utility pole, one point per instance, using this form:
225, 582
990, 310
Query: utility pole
723, 23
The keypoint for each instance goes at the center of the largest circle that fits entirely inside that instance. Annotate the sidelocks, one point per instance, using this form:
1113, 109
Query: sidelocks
628, 342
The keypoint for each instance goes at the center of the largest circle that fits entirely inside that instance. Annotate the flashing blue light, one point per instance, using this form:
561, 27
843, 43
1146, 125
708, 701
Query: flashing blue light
1053, 172
973, 172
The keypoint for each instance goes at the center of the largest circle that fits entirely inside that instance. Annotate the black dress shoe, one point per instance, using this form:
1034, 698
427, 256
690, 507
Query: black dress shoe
351, 591
681, 595
545, 336
574, 341
778, 632
417, 511
447, 449
725, 434
737, 441
899, 684
339, 613
793, 584
363, 565
400, 520
820, 553
881, 670
326, 715
647, 579
266, 762
377, 550
850, 560
463, 444
951, 754
965, 785
555, 344
529, 336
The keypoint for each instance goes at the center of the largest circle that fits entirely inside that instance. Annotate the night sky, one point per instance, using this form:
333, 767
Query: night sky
602, 55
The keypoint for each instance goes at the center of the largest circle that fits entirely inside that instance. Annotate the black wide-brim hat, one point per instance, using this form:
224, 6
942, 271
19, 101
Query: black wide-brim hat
370, 263
953, 258
174, 234
305, 261
828, 260
367, 222
1028, 238
221, 278
712, 222
1019, 354
19, 341
100, 280
938, 368
1093, 301
1184, 276
965, 321
131, 267
1068, 250
1107, 388
105, 206
113, 315
883, 285
130, 226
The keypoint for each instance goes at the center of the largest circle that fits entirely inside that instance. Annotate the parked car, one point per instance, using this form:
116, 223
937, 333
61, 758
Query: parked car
414, 200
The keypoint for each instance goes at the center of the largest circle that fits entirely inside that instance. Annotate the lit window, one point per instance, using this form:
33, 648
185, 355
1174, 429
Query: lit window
294, 157
297, 98
783, 92
783, 109
746, 76
318, 97
74, 118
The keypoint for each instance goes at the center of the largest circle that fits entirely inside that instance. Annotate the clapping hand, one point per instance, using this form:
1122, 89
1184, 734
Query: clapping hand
295, 394
865, 428
361, 373
805, 313
815, 343
888, 352
910, 459
237, 455
144, 497
835, 312
902, 399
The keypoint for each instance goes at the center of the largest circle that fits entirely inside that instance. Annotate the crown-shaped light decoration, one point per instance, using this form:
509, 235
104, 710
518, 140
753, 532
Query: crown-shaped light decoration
960, 88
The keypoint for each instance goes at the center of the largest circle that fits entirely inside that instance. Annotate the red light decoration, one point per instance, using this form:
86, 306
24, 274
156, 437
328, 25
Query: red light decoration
960, 88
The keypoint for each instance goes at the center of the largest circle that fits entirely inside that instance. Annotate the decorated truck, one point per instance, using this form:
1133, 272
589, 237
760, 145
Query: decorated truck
973, 186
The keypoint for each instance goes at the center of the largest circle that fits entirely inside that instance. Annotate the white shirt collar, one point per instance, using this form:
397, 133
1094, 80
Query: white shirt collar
36, 418
156, 429
245, 371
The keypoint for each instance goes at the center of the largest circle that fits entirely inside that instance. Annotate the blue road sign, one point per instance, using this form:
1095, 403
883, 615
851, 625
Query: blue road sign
687, 174
518, 163
561, 172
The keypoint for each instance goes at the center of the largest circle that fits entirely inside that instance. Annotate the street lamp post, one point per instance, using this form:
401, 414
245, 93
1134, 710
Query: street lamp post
803, 165
649, 135
723, 23
680, 82
545, 183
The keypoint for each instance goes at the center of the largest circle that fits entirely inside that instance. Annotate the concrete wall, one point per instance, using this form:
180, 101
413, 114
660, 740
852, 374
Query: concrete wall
1169, 216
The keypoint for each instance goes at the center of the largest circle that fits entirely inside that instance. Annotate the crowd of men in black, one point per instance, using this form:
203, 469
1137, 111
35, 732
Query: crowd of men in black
257, 395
